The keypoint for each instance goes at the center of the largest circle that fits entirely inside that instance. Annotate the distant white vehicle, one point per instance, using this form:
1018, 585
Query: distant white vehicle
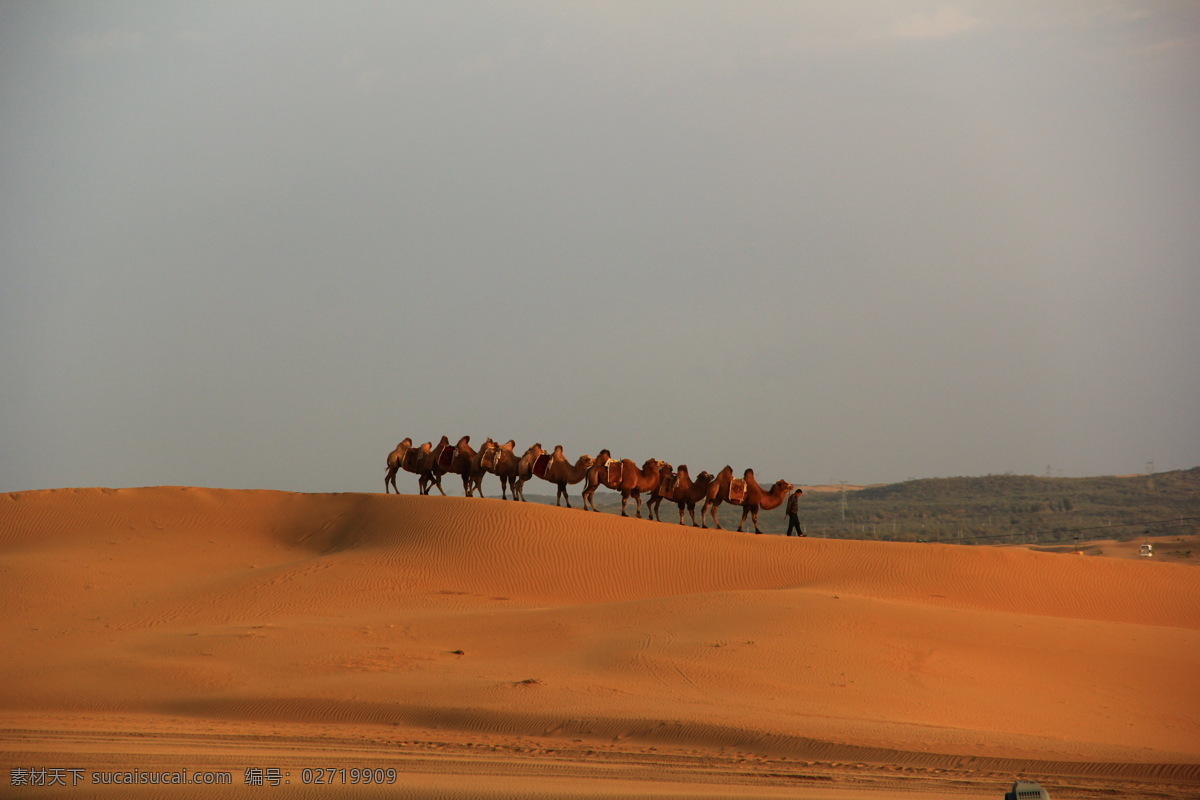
1146, 551
1027, 790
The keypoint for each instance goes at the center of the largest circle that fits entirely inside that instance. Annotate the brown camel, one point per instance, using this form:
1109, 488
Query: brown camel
682, 491
394, 461
524, 470
511, 470
488, 452
625, 477
754, 498
555, 467
591, 477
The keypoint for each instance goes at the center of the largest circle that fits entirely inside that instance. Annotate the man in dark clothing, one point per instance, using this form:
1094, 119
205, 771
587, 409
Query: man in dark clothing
793, 513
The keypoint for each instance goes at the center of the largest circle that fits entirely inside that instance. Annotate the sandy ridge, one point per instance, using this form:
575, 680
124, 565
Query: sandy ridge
493, 619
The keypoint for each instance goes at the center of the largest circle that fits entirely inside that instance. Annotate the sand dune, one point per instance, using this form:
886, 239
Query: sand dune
204, 626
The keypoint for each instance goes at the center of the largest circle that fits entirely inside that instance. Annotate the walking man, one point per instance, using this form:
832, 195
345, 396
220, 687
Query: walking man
793, 513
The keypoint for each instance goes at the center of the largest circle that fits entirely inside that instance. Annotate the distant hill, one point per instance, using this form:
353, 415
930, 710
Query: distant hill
994, 509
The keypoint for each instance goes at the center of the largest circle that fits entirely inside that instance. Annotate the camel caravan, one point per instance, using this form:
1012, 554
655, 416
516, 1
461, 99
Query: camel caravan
655, 480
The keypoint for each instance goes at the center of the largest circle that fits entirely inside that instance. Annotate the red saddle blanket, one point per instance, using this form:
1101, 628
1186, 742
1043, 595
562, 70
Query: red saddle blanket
446, 456
542, 464
412, 458
737, 491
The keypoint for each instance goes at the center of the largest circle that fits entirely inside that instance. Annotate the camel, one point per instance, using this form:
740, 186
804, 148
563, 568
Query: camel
439, 463
478, 470
591, 477
525, 470
461, 460
513, 471
754, 500
394, 461
684, 492
559, 471
626, 478
422, 461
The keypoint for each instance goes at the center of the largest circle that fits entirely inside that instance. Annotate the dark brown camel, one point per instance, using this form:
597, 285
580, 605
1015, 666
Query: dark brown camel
624, 477
559, 471
395, 460
421, 461
461, 459
489, 450
682, 491
439, 464
755, 498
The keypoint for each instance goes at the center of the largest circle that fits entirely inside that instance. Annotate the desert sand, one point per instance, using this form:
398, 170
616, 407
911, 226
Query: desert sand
489, 649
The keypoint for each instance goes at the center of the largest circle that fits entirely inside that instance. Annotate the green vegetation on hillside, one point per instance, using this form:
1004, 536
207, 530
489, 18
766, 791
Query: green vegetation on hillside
993, 509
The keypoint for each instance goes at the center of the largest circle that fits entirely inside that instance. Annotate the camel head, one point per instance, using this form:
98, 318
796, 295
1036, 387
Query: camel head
586, 460
704, 475
781, 487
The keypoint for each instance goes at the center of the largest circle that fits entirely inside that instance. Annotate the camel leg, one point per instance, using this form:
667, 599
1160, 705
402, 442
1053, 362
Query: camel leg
745, 513
638, 498
754, 516
437, 481
389, 481
624, 500
714, 515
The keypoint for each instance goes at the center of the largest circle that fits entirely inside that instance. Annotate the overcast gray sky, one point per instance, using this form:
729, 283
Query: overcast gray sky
255, 244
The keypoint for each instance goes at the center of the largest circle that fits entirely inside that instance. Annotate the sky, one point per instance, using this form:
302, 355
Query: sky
255, 244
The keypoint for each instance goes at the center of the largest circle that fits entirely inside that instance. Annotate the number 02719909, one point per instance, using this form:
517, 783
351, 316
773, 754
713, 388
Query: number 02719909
344, 775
